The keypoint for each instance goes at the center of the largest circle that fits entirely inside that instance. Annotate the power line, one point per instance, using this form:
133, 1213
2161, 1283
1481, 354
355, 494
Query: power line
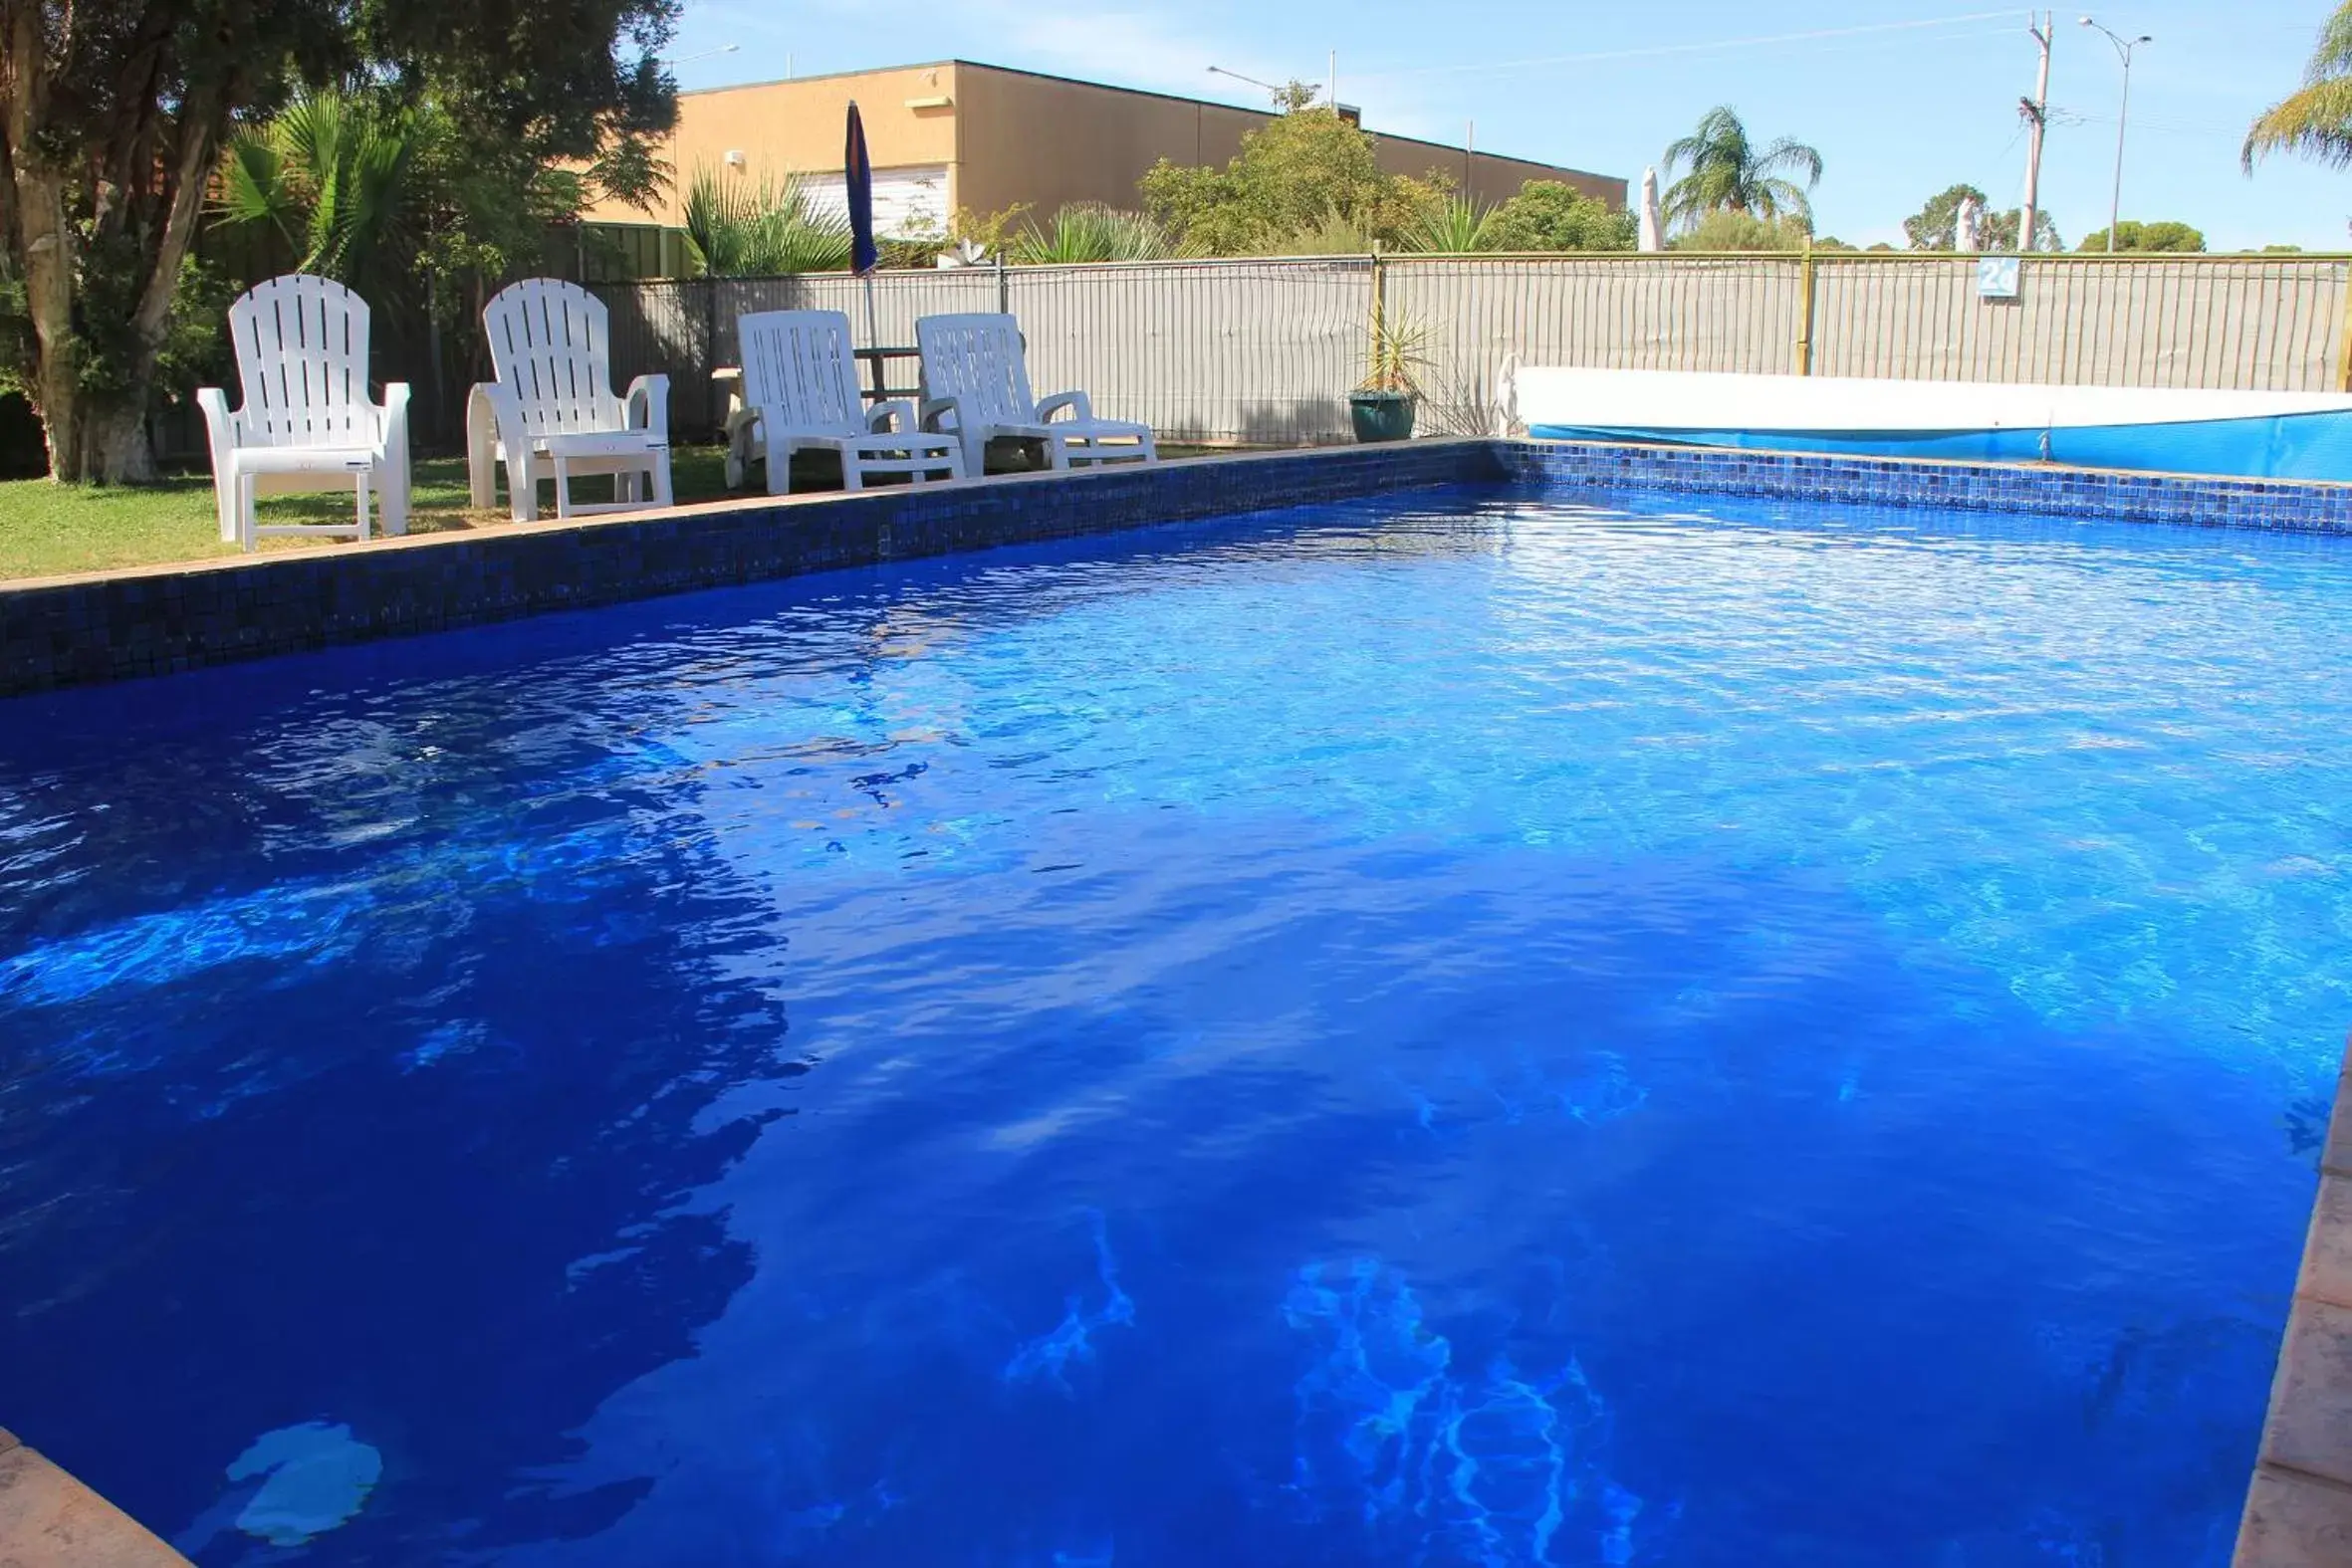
1659, 50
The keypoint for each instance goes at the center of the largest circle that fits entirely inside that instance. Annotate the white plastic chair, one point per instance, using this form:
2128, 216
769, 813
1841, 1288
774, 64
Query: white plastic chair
307, 423
976, 386
551, 414
801, 391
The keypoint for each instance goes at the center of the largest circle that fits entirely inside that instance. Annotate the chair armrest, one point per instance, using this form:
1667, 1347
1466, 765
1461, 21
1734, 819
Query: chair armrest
494, 411
942, 413
493, 418
392, 422
649, 404
1081, 406
219, 424
892, 415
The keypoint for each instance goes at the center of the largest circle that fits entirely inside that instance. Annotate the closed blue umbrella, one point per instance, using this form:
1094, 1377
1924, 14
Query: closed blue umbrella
858, 176
857, 183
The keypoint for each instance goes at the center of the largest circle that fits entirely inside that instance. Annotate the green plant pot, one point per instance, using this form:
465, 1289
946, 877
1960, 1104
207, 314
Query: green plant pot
1382, 416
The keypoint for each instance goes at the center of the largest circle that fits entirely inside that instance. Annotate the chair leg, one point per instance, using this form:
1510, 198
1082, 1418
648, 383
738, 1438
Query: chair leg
247, 524
361, 486
563, 489
852, 471
779, 463
522, 489
661, 476
392, 503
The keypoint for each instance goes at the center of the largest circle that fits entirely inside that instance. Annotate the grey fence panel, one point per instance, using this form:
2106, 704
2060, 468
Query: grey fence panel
1206, 350
1265, 350
898, 298
665, 328
2251, 323
1618, 312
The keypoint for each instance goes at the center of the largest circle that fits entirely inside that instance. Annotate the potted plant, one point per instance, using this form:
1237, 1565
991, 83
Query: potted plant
1381, 409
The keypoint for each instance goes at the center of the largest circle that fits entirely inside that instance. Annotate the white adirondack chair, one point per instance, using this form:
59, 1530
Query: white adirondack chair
801, 391
976, 384
307, 423
551, 414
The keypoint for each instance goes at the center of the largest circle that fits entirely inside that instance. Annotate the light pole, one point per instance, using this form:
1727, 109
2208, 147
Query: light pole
2123, 52
1273, 92
687, 60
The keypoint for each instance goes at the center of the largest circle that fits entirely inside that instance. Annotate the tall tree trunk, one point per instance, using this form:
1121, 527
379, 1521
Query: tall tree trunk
91, 436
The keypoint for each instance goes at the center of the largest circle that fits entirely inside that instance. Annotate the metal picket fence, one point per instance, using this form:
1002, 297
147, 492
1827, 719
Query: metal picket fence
1264, 351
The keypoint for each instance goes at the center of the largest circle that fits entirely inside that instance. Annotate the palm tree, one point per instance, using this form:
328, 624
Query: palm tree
336, 176
2316, 118
1728, 173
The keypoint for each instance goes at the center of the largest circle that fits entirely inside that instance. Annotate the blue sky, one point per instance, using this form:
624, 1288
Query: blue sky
1899, 111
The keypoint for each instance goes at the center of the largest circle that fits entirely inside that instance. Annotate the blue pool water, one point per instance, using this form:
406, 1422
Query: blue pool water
1467, 1028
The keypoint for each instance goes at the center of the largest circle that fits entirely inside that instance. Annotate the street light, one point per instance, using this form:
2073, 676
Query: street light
687, 60
2123, 52
1220, 70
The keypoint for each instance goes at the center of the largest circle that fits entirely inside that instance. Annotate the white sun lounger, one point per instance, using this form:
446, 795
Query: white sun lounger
801, 392
976, 386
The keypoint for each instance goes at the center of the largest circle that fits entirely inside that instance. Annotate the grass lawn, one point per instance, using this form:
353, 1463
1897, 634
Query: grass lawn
48, 531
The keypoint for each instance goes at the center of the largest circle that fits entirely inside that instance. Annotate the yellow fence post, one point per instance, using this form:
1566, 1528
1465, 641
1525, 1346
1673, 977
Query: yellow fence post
2344, 338
1805, 331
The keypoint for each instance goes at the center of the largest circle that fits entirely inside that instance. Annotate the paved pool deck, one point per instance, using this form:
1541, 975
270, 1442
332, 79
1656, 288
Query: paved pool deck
2299, 1511
48, 1519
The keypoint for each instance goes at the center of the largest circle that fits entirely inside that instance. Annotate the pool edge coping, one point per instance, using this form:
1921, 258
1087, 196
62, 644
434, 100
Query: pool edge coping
95, 628
752, 501
48, 1519
2298, 1504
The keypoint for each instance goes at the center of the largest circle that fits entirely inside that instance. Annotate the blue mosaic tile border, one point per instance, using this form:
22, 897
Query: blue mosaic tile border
76, 631
2111, 494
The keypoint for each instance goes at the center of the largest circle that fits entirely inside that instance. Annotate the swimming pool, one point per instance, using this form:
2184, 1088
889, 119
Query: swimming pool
1473, 1027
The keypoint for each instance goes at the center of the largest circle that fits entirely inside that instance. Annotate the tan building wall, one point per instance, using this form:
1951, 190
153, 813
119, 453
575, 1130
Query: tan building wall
1012, 138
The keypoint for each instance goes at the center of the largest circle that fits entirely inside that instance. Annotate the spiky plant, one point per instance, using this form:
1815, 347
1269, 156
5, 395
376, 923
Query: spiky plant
1335, 233
1397, 352
743, 227
1089, 231
1452, 226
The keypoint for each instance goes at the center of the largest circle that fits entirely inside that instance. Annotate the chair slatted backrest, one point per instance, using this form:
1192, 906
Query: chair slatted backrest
550, 345
302, 363
977, 358
799, 364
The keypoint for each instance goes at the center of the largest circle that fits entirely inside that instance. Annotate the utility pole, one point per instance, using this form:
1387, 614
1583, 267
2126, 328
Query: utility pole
1335, 81
2037, 113
1469, 160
